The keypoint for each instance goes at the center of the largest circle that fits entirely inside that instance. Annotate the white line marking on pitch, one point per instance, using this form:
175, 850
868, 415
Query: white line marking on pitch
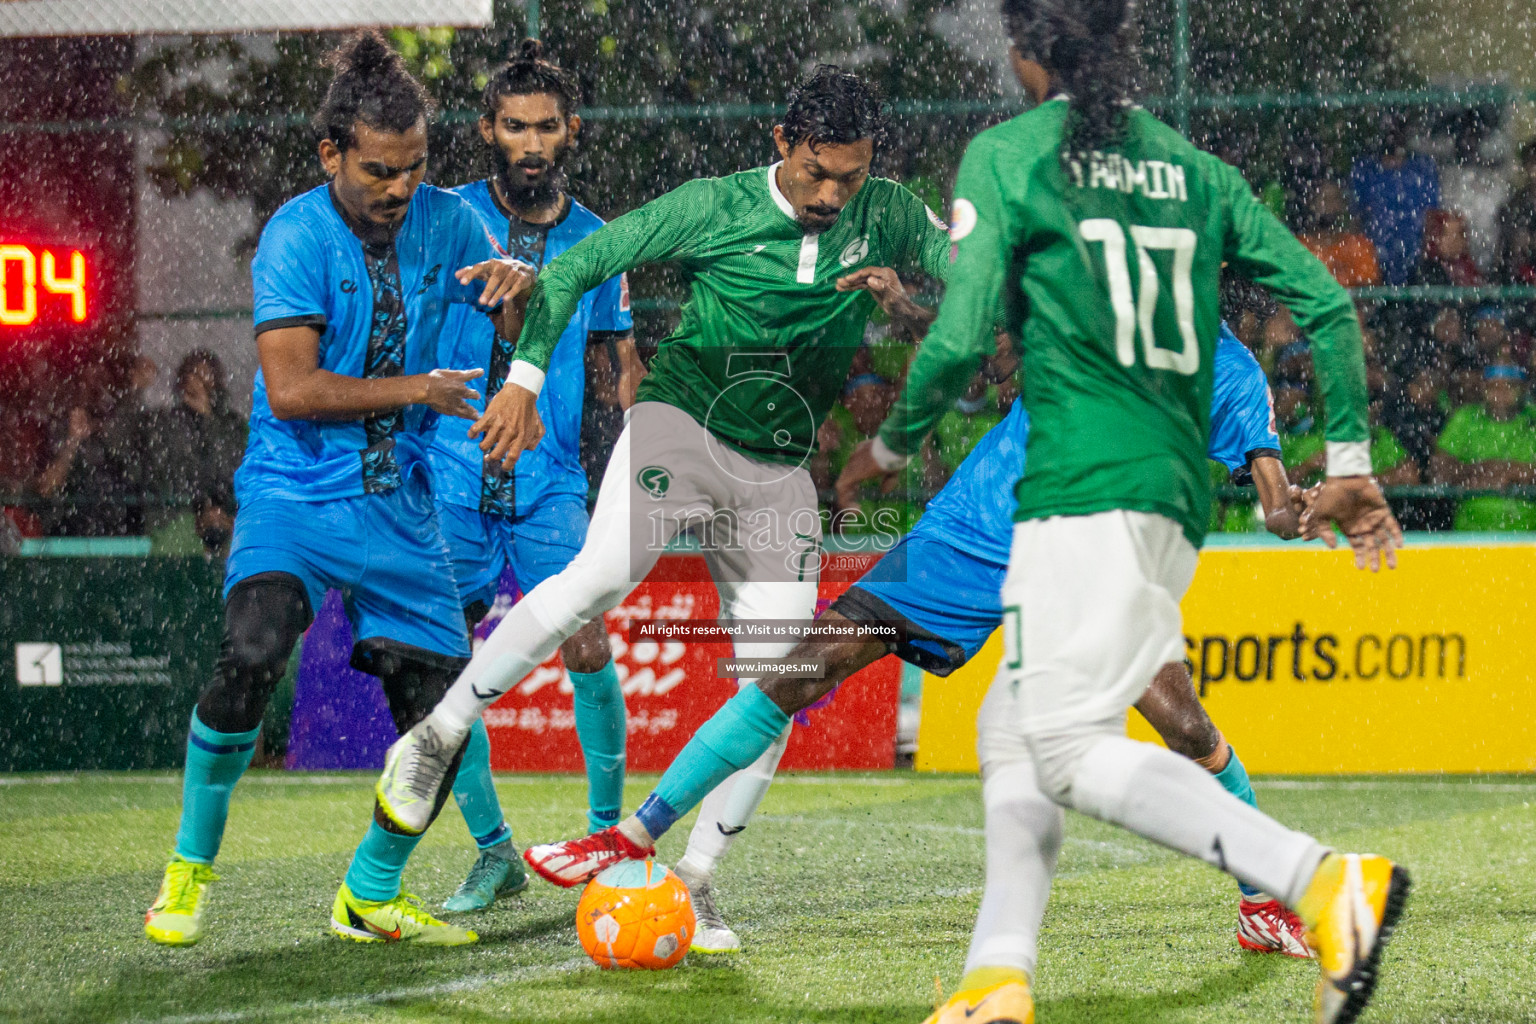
1448, 787
466, 984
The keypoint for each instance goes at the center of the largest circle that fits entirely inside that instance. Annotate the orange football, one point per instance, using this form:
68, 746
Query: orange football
635, 915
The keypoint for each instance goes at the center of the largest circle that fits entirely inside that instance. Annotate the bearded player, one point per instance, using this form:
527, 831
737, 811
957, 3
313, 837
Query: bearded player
717, 440
534, 517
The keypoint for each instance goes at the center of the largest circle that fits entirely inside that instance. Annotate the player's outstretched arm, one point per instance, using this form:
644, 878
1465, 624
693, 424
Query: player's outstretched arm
1263, 250
297, 389
666, 228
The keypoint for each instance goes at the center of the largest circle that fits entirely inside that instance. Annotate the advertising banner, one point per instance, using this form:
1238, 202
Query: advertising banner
671, 687
1310, 666
103, 659
340, 719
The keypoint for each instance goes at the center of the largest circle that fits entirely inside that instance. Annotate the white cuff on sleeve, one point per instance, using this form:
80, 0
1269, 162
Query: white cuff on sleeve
1349, 458
525, 375
887, 459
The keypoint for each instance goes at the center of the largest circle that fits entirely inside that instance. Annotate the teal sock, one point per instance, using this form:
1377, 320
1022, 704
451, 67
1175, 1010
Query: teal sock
733, 738
378, 863
600, 728
475, 792
1234, 779
215, 762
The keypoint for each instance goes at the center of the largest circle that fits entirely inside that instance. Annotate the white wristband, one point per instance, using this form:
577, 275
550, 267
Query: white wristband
1349, 458
525, 375
887, 459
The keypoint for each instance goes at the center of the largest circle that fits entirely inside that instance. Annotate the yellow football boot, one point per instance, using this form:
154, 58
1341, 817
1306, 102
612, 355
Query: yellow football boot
398, 920
1350, 908
176, 919
1005, 1002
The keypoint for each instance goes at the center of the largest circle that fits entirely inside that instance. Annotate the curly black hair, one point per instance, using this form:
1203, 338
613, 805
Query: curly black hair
371, 86
527, 72
1088, 48
834, 107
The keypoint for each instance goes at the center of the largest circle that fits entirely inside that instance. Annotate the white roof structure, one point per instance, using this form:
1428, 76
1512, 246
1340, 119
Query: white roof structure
184, 17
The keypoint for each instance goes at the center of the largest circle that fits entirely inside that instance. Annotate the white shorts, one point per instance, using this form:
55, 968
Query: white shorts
758, 524
1090, 613
756, 521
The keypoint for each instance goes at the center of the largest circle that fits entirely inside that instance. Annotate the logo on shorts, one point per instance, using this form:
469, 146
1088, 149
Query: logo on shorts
655, 480
854, 251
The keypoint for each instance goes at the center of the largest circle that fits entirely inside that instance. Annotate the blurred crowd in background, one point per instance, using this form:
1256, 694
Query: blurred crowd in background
1449, 379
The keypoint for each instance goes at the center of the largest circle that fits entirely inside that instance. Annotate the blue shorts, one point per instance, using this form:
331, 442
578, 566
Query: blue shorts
537, 545
384, 552
949, 601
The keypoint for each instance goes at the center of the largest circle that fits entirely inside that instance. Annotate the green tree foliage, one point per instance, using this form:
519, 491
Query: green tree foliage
238, 114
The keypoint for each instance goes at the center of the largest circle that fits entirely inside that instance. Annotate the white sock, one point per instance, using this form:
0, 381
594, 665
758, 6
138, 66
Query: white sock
726, 811
1173, 801
1023, 839
532, 631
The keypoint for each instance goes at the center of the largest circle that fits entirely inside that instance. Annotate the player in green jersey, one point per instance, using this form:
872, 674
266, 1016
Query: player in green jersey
1103, 232
785, 264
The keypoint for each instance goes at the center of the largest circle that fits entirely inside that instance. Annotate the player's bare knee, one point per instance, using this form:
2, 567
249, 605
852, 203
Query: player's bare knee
1172, 708
793, 694
588, 651
1195, 737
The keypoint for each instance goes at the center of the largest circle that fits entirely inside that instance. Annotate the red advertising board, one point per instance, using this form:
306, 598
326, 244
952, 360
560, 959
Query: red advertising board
670, 689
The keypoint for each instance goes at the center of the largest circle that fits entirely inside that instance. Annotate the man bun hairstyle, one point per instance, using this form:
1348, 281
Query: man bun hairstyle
527, 72
372, 86
834, 107
1087, 47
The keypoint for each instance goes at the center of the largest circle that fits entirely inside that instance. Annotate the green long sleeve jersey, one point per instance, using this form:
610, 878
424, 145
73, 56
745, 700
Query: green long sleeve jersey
1108, 273
765, 340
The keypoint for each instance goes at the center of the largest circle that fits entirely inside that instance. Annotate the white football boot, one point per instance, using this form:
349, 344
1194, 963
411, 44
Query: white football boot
711, 933
414, 771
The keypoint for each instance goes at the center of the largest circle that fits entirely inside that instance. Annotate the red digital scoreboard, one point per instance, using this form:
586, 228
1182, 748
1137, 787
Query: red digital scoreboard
44, 285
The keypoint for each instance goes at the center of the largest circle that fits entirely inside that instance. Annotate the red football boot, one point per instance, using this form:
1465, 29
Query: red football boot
1268, 927
579, 860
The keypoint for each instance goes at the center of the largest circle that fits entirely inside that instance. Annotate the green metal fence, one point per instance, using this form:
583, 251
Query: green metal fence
1178, 106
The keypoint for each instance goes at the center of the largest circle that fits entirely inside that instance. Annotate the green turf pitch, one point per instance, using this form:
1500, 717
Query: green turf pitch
851, 894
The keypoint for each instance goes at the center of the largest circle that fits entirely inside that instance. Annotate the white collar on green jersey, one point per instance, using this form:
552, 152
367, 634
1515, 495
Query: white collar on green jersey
784, 205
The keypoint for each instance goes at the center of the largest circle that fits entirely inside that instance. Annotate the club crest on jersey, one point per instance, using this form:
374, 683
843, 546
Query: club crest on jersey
654, 480
854, 251
965, 220
429, 279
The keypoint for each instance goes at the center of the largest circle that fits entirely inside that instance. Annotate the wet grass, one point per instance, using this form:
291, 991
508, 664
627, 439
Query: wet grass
852, 894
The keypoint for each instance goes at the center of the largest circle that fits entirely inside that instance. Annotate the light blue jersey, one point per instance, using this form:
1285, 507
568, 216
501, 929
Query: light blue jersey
379, 310
945, 578
553, 469
974, 510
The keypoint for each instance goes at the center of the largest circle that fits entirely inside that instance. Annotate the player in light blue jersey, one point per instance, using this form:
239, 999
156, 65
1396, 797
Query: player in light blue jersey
971, 516
353, 284
940, 587
533, 518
